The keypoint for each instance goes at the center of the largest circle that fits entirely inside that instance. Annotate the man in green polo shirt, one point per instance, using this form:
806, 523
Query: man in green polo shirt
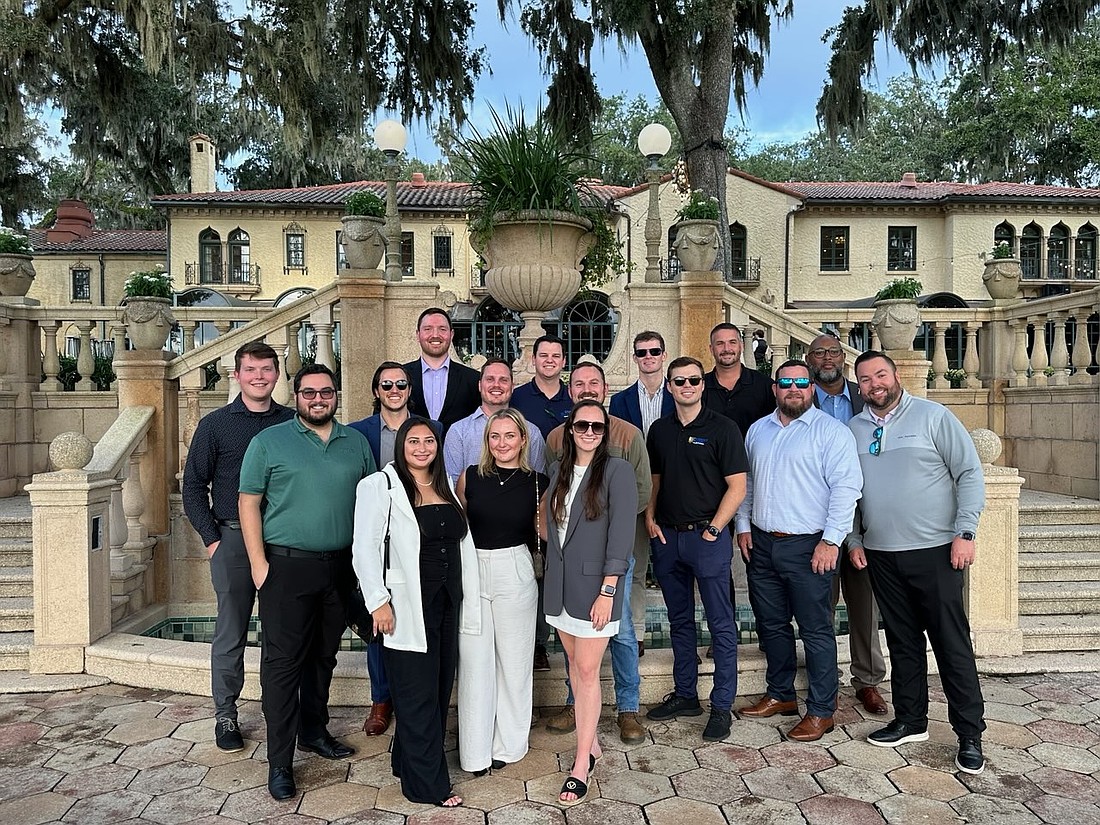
297, 503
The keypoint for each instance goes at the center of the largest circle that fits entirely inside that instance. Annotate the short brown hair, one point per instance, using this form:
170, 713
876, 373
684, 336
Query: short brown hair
258, 350
681, 362
649, 335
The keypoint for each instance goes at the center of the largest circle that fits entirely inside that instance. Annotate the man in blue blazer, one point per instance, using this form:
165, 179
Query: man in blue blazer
642, 403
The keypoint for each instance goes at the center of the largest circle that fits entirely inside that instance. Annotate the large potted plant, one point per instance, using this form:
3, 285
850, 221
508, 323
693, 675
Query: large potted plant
364, 243
896, 314
147, 309
16, 263
1002, 273
697, 236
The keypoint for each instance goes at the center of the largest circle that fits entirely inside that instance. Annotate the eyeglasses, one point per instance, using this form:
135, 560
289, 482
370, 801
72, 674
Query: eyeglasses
680, 380
400, 383
597, 427
832, 352
876, 445
309, 393
642, 352
787, 383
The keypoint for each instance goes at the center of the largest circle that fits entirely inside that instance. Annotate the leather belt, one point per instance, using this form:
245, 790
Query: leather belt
231, 523
295, 553
779, 535
690, 527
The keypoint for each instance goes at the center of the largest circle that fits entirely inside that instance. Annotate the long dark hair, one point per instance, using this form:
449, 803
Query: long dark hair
385, 365
440, 484
594, 503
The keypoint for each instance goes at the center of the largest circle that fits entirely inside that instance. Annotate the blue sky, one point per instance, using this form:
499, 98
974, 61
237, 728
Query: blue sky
780, 109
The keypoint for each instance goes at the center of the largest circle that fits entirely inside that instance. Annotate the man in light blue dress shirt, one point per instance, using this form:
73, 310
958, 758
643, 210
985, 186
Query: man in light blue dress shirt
803, 483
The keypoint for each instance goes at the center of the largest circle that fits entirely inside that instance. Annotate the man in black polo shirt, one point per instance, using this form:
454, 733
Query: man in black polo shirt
210, 481
742, 395
699, 465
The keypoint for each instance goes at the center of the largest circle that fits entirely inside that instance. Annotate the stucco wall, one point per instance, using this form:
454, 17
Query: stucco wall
53, 283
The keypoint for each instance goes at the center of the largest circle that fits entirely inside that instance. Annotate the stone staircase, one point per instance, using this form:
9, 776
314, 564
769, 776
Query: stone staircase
1059, 572
16, 587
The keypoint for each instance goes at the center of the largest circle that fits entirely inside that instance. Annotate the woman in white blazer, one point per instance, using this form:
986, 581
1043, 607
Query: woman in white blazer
421, 600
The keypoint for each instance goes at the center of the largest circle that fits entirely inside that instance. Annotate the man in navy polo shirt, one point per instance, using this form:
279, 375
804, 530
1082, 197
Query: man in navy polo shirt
544, 400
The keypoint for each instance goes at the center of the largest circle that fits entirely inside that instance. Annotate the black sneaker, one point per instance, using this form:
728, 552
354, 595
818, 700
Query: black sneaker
897, 733
718, 726
227, 736
674, 706
969, 758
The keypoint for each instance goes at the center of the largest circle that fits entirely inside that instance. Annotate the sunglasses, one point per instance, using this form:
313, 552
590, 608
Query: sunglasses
309, 393
834, 352
642, 353
596, 427
680, 380
787, 383
876, 445
400, 383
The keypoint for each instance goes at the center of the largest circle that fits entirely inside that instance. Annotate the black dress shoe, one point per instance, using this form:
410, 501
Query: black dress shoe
280, 782
328, 747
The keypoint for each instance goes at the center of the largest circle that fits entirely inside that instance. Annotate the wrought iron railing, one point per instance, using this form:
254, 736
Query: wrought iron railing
197, 274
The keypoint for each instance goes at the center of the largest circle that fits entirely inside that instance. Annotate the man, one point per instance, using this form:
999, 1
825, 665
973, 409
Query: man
297, 505
760, 350
211, 479
642, 403
742, 395
699, 465
625, 441
544, 400
923, 492
803, 483
840, 399
442, 390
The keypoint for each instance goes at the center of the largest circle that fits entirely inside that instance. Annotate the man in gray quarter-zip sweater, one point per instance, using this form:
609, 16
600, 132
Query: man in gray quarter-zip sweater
923, 491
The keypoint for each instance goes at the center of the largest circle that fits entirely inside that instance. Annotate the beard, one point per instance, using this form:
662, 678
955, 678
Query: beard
891, 398
825, 375
794, 406
317, 418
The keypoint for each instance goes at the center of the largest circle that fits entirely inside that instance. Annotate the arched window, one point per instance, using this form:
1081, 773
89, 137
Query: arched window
494, 331
1058, 252
738, 251
1005, 233
1031, 250
240, 269
1084, 258
588, 325
210, 257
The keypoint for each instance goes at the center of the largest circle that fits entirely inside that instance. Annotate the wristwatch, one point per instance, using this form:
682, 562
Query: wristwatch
714, 531
828, 543
607, 590
966, 535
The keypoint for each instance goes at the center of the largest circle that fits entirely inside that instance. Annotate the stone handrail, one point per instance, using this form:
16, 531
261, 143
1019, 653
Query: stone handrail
116, 446
1084, 299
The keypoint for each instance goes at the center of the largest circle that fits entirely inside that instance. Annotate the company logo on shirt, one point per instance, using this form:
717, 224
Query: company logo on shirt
699, 442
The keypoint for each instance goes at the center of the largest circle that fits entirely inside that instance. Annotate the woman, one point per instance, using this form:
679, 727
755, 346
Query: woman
589, 517
417, 601
501, 495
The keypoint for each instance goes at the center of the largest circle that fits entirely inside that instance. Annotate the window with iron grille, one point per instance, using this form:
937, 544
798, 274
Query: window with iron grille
901, 248
442, 250
408, 263
295, 250
834, 249
82, 284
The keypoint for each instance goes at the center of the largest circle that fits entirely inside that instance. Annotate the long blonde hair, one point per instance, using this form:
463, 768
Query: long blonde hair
486, 465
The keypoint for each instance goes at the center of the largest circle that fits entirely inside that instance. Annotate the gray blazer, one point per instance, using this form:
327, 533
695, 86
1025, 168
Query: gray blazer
592, 549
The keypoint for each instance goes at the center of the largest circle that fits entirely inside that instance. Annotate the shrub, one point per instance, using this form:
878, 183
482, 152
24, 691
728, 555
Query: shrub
12, 243
366, 204
154, 283
699, 207
900, 288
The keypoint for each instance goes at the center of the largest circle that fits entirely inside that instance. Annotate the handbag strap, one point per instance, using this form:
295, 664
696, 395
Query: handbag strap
389, 512
538, 509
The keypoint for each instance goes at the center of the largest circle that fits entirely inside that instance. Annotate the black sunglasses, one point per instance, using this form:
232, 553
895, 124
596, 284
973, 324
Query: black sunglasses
597, 427
787, 383
642, 353
876, 445
400, 383
680, 380
309, 393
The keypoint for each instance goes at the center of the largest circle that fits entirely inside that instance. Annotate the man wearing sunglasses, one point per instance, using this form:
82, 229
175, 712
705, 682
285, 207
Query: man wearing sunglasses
698, 461
840, 399
804, 480
647, 399
923, 493
544, 400
297, 505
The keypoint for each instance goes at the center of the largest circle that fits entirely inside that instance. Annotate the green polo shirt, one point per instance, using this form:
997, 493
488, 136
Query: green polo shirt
308, 486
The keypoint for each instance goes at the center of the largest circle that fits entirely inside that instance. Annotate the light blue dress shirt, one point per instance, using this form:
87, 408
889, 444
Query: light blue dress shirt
835, 406
434, 383
463, 444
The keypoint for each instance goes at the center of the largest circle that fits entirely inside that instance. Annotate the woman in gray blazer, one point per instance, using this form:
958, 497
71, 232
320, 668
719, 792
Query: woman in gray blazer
589, 520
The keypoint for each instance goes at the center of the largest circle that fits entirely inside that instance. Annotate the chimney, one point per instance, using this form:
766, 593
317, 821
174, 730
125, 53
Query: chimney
204, 168
909, 180
73, 221
418, 179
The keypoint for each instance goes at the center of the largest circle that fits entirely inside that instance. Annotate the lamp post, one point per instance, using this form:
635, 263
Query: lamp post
654, 141
390, 137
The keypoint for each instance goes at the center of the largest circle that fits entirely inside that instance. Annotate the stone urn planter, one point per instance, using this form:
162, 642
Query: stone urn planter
364, 243
1002, 278
696, 244
148, 321
16, 274
896, 321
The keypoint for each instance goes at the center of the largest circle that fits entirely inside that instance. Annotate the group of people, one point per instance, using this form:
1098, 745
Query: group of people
500, 512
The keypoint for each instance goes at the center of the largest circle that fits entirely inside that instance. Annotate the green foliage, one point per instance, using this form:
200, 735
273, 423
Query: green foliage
900, 288
615, 145
102, 376
1002, 250
148, 284
365, 203
12, 243
699, 207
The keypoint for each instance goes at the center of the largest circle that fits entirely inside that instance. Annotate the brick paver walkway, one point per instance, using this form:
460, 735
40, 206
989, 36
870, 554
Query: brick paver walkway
114, 754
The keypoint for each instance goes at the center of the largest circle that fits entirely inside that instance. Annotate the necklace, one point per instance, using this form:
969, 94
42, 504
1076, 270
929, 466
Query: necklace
500, 480
421, 483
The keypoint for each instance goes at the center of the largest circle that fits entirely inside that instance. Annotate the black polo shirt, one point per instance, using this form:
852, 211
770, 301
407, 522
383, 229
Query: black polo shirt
750, 399
693, 463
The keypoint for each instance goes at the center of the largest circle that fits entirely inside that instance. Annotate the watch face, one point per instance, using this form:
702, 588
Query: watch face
968, 536
714, 531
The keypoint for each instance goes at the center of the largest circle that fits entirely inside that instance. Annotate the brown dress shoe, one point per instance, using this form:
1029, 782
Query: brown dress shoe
641, 648
769, 707
378, 722
563, 722
810, 729
630, 729
872, 700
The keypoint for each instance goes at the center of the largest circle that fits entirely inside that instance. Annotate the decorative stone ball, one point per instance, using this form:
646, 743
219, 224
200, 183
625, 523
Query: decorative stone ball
71, 451
987, 443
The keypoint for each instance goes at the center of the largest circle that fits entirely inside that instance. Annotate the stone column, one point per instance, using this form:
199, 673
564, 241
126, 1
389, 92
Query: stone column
647, 307
1059, 354
20, 378
363, 336
700, 309
939, 354
912, 371
85, 359
51, 363
992, 592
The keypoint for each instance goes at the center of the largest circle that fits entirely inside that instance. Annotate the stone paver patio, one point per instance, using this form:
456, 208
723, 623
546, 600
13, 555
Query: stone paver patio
114, 754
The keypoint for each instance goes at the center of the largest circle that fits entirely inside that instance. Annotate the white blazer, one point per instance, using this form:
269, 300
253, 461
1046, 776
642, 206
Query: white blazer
374, 504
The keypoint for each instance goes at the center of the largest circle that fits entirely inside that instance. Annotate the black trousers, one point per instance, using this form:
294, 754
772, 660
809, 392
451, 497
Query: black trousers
420, 686
918, 592
302, 619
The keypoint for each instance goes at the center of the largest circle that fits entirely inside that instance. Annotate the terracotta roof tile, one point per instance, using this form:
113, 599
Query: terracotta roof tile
943, 191
105, 240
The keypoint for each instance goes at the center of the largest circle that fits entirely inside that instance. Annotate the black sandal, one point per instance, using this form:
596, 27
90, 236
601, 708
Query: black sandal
443, 803
574, 786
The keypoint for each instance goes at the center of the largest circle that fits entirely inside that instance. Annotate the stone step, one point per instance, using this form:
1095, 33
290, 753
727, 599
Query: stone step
14, 649
1038, 508
16, 581
1059, 538
1058, 633
1059, 567
16, 552
18, 527
1060, 598
16, 613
